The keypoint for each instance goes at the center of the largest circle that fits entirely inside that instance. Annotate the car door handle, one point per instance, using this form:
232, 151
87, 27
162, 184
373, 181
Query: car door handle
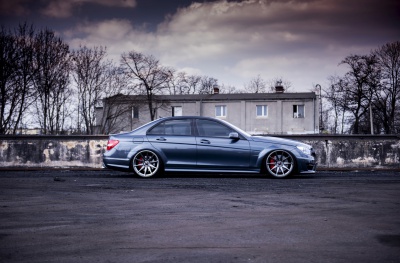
161, 139
205, 141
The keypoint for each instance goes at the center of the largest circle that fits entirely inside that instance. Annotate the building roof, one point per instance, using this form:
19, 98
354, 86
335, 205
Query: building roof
224, 97
239, 96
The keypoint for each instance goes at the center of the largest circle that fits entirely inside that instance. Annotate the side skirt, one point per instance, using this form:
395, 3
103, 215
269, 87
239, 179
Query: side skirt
211, 171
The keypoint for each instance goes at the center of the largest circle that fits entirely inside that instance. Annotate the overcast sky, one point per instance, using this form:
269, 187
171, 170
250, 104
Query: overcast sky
301, 41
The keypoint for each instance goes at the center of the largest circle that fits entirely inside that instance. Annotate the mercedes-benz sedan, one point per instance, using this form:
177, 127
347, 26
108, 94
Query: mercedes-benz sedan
201, 144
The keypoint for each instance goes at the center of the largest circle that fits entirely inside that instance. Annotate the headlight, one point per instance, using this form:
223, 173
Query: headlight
304, 149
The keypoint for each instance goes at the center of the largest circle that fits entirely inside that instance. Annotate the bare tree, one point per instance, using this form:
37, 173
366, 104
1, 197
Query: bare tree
228, 89
207, 85
259, 85
175, 82
52, 68
148, 76
26, 71
16, 51
387, 98
193, 84
8, 91
256, 85
90, 75
183, 83
179, 83
337, 99
360, 81
115, 103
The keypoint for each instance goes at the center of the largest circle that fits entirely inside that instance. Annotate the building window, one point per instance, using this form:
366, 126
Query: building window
135, 112
262, 110
176, 111
220, 111
298, 111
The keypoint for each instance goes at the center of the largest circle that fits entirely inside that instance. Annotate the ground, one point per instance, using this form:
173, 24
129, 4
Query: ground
106, 216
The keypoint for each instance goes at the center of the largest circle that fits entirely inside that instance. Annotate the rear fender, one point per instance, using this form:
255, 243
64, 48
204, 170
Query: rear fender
142, 147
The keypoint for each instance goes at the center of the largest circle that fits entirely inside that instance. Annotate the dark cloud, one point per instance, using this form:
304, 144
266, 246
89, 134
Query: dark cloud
233, 41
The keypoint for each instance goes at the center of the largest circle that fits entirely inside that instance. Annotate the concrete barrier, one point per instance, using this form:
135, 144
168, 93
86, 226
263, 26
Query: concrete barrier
52, 151
333, 152
354, 151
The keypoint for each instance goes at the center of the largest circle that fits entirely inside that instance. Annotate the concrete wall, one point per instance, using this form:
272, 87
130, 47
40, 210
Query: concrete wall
354, 151
333, 152
52, 151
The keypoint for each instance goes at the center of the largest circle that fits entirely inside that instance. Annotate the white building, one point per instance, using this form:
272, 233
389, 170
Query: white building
256, 113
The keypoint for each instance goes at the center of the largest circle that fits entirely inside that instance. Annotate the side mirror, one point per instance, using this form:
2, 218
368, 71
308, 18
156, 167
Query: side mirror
234, 136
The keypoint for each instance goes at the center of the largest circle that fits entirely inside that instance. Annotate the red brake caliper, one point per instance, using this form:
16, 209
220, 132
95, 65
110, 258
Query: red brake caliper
272, 163
140, 162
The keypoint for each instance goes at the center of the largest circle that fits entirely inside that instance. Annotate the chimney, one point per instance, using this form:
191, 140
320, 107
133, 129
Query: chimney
216, 89
278, 87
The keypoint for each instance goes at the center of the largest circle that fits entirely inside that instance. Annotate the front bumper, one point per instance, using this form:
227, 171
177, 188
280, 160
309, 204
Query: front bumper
307, 165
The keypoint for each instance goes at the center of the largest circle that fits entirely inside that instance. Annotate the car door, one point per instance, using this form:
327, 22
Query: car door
175, 140
215, 150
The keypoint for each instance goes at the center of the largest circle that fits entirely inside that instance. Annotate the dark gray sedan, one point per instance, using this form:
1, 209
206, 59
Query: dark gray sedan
201, 144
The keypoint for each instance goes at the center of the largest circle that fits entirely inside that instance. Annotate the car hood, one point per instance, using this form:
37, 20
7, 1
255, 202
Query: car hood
269, 139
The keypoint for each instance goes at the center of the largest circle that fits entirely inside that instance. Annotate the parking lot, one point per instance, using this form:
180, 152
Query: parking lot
106, 216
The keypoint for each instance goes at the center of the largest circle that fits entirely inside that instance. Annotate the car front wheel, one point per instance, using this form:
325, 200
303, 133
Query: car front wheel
146, 163
279, 164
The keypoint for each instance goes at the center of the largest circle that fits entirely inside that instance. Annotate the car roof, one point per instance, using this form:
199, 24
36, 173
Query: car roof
189, 117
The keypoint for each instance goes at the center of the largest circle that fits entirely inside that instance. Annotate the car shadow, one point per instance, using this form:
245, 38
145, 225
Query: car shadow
230, 175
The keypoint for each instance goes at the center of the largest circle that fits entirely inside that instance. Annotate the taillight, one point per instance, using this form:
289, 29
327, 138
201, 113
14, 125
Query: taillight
111, 144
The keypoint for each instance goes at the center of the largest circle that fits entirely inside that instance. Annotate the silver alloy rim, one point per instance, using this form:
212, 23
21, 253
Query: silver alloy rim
279, 163
146, 163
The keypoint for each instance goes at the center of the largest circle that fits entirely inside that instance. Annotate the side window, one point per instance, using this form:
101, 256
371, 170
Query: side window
157, 130
172, 127
298, 111
208, 128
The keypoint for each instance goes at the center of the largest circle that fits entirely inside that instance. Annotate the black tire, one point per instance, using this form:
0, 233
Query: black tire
146, 164
280, 164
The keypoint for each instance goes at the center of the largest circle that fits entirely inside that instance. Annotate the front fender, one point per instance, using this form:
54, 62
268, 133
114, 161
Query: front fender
262, 154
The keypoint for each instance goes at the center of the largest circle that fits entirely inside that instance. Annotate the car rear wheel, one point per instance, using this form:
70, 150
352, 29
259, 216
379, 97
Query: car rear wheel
279, 164
146, 163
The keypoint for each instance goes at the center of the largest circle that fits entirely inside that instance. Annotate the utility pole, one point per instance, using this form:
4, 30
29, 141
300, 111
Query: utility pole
321, 128
371, 119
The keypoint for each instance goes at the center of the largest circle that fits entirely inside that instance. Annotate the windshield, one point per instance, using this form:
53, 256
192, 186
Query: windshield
236, 128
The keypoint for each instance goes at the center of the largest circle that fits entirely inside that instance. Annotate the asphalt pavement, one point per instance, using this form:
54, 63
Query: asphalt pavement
107, 216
